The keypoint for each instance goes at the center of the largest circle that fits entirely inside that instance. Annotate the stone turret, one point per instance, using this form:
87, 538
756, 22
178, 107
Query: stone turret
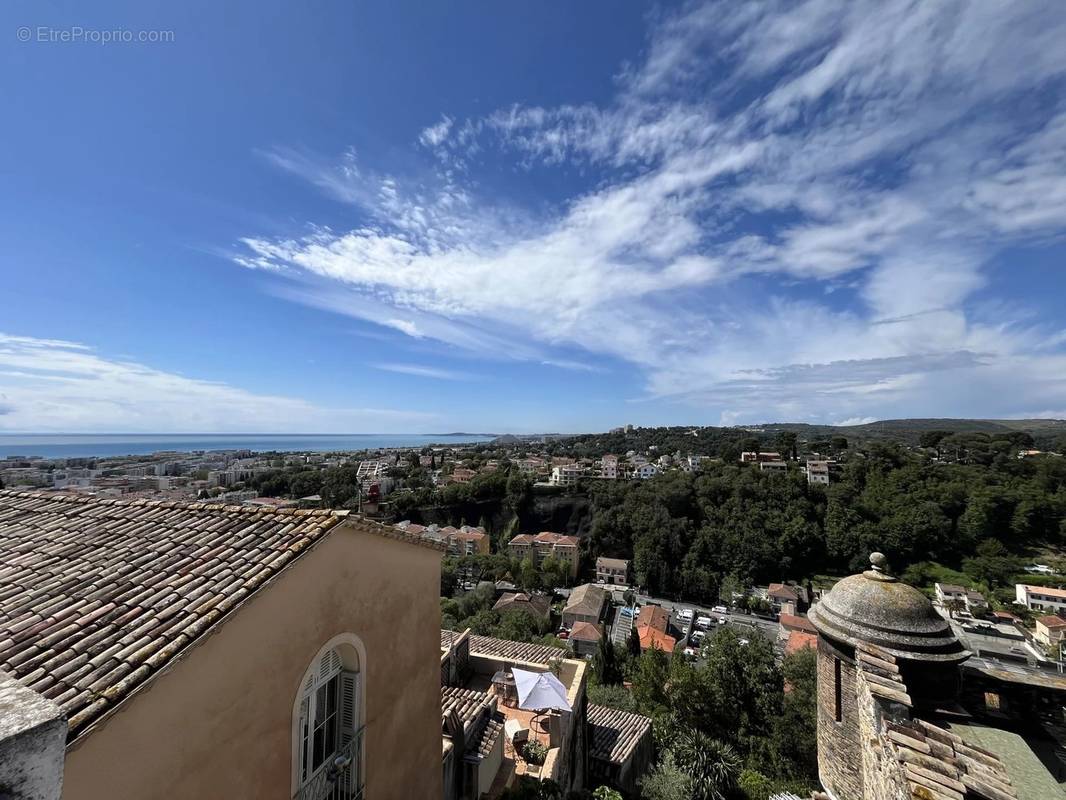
889, 623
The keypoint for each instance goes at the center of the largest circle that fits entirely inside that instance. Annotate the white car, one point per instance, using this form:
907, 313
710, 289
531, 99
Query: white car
697, 636
685, 614
703, 622
720, 610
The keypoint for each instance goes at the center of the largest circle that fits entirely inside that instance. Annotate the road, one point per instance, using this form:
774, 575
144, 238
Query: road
769, 628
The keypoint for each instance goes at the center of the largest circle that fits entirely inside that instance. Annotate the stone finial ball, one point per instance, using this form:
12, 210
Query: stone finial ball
878, 561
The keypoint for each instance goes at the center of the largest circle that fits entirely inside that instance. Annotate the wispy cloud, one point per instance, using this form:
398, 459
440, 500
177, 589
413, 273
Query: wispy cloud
891, 147
422, 371
52, 385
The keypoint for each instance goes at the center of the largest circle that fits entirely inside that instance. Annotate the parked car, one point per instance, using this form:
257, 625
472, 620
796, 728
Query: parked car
691, 652
720, 610
723, 621
703, 622
685, 614
697, 637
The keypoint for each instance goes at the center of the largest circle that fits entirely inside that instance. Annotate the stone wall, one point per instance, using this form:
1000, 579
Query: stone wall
33, 735
839, 743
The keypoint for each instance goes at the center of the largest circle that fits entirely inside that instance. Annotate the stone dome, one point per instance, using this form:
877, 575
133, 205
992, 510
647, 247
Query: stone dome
877, 609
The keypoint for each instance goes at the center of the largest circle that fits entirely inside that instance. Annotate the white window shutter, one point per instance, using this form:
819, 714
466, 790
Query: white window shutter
349, 705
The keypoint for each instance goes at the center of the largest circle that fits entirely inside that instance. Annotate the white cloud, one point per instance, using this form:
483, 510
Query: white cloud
874, 148
48, 385
422, 371
434, 135
844, 423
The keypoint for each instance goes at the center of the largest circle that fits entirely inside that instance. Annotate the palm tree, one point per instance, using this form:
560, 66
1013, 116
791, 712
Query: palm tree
713, 765
954, 606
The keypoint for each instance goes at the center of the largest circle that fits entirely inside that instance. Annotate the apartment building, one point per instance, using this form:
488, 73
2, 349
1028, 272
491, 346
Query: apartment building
544, 545
609, 467
190, 650
1040, 598
565, 475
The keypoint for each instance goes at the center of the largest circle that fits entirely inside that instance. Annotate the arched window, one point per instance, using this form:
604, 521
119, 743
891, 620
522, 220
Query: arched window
328, 721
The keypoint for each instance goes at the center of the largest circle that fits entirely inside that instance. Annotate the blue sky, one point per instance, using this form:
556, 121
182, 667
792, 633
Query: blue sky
530, 217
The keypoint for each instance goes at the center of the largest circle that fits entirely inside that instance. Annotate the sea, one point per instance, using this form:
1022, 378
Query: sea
88, 445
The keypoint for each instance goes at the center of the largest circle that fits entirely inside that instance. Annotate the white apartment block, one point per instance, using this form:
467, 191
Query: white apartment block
565, 475
1040, 598
645, 471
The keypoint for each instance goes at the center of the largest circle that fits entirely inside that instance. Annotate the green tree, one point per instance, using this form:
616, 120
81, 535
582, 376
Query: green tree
794, 737
606, 793
712, 765
649, 676
992, 565
612, 696
605, 663
667, 781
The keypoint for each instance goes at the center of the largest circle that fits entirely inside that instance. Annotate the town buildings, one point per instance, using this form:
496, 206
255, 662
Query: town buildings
652, 626
546, 544
585, 604
818, 472
1040, 598
585, 638
612, 570
463, 541
948, 594
565, 475
1050, 630
198, 650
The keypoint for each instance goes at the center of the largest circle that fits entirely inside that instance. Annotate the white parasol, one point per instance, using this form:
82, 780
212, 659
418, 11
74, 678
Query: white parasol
539, 690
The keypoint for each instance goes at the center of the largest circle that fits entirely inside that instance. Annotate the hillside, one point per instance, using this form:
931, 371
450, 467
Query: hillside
909, 430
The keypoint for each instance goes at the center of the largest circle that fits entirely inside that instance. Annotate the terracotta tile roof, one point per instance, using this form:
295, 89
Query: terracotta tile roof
797, 640
547, 537
466, 703
476, 712
615, 734
611, 563
522, 538
796, 622
537, 604
782, 591
652, 637
1047, 591
504, 649
586, 599
1051, 621
586, 631
97, 595
655, 616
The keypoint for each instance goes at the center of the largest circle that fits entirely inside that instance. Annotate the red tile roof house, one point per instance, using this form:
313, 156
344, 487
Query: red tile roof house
653, 637
655, 616
185, 650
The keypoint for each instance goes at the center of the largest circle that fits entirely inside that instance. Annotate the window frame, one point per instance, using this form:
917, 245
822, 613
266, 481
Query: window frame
348, 668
